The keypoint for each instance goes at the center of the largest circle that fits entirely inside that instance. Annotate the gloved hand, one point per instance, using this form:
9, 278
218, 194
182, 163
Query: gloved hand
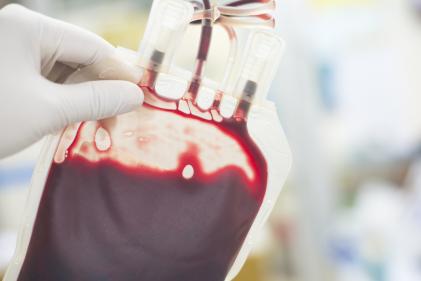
36, 54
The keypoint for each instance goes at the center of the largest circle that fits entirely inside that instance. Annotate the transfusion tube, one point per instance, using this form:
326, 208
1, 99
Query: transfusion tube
170, 18
202, 54
264, 8
228, 16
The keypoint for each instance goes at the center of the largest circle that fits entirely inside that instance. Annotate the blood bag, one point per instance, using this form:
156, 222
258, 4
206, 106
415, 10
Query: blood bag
176, 189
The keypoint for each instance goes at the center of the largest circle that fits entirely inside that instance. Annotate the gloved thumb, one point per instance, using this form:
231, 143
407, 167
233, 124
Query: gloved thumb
95, 100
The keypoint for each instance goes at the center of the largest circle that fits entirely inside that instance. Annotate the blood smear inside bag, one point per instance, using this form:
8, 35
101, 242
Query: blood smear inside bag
155, 194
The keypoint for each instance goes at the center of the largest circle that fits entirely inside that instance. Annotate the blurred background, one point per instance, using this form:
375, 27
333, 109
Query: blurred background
349, 97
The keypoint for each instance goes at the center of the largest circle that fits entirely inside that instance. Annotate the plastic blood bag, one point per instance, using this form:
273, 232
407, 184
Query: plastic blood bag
174, 190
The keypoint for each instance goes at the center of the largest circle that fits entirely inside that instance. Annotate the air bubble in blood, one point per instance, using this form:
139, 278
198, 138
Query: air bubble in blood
102, 139
188, 172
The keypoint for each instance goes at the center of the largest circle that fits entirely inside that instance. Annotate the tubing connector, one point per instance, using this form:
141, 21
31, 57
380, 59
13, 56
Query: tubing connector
262, 56
167, 23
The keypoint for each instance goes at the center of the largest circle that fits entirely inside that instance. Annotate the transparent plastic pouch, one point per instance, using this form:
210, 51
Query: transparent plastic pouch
175, 190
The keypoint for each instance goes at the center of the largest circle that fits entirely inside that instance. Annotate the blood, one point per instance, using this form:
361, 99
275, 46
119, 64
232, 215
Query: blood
103, 217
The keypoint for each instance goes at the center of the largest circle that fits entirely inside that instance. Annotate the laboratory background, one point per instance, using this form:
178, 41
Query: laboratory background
348, 93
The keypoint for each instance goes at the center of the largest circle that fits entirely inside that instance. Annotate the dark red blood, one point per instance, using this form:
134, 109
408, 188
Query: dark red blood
104, 221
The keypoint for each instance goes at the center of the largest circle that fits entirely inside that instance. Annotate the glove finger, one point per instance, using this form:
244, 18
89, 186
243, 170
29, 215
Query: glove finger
96, 100
75, 46
112, 67
70, 44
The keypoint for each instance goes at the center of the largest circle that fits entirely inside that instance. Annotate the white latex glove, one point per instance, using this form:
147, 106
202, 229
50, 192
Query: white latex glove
36, 54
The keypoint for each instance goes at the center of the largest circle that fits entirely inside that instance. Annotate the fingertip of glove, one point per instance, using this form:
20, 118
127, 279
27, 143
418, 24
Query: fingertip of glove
13, 8
135, 92
132, 94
